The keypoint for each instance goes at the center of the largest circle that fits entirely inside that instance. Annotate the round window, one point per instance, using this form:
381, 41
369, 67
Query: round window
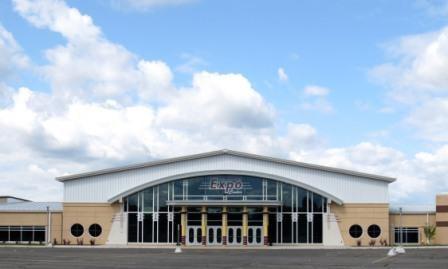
95, 230
374, 231
355, 231
77, 230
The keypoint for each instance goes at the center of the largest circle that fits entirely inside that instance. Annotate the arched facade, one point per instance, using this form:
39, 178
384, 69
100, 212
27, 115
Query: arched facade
225, 209
225, 197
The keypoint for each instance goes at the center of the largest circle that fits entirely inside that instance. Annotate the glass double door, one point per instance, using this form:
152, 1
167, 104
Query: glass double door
194, 235
255, 235
235, 235
214, 235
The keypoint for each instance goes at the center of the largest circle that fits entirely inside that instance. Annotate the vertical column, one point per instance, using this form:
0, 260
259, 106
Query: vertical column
183, 224
204, 225
245, 225
224, 225
265, 225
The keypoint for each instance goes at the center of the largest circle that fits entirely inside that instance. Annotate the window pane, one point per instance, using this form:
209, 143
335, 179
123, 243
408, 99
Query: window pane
317, 228
178, 189
317, 203
163, 227
301, 197
27, 233
272, 190
133, 202
147, 228
4, 233
148, 195
163, 197
132, 227
15, 233
302, 227
286, 228
287, 198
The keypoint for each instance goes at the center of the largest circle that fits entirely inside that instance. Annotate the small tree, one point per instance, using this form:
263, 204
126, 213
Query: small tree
430, 233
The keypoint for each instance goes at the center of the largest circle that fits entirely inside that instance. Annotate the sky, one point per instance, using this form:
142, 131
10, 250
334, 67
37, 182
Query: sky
360, 85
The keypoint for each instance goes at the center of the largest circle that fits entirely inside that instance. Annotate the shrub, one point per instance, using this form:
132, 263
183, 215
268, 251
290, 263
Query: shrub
430, 233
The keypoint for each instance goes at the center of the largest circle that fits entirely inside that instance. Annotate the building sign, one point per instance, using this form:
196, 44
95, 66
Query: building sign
227, 186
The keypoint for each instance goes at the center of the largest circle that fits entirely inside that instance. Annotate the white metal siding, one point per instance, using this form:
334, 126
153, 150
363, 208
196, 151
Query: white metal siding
350, 189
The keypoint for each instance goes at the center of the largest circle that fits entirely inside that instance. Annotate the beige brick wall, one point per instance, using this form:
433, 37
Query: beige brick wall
33, 219
412, 220
363, 215
87, 214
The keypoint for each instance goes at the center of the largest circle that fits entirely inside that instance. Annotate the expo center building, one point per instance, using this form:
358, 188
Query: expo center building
218, 198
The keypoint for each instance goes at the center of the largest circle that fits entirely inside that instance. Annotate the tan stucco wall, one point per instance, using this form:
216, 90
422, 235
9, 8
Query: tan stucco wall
412, 220
33, 219
87, 214
363, 215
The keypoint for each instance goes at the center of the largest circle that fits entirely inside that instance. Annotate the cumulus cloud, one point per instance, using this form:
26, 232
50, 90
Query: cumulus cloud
11, 55
418, 174
419, 66
281, 73
109, 107
89, 65
221, 100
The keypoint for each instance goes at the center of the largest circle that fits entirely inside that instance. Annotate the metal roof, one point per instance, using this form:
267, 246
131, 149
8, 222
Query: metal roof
224, 152
31, 207
412, 209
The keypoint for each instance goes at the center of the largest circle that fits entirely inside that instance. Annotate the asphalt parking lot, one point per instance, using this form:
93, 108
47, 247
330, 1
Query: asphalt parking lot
66, 258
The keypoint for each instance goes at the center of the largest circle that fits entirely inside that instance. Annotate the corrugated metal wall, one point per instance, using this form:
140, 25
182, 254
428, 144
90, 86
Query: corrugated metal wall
350, 189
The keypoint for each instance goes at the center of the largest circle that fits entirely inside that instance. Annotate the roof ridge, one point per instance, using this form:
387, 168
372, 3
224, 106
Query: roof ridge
219, 152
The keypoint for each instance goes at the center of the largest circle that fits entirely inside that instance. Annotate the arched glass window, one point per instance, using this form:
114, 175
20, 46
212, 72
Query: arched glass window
228, 188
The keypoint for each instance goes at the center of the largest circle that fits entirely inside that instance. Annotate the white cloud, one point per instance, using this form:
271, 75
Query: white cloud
144, 5
415, 176
430, 119
314, 90
67, 131
218, 100
282, 76
192, 63
419, 66
11, 55
89, 64
316, 99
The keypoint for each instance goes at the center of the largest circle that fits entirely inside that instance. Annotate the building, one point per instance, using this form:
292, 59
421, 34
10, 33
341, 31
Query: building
223, 198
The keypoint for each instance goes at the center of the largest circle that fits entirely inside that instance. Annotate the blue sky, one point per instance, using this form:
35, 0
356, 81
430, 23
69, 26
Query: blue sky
341, 83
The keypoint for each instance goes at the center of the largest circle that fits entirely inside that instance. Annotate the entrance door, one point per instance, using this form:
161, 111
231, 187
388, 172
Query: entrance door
235, 235
194, 235
254, 235
214, 235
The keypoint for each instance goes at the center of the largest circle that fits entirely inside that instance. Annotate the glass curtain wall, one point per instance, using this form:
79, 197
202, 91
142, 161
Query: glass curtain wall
299, 219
